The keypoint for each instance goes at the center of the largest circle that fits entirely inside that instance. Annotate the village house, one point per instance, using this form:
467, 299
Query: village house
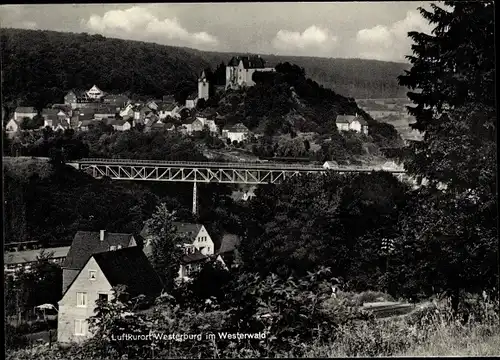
240, 70
86, 243
105, 112
51, 117
22, 112
82, 115
12, 127
237, 132
154, 104
99, 274
115, 100
120, 124
128, 110
330, 165
200, 123
77, 99
16, 260
351, 122
95, 93
191, 101
168, 109
228, 248
198, 247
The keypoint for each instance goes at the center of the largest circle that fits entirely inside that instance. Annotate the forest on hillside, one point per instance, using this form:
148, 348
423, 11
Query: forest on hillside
39, 67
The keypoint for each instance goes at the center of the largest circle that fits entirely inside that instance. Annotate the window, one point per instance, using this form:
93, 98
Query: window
112, 248
79, 327
92, 274
81, 299
119, 247
103, 297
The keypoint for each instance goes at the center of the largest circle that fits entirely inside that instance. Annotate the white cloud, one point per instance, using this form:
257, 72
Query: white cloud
139, 22
391, 42
313, 39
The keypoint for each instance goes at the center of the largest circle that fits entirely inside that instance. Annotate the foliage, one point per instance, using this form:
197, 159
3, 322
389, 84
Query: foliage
454, 217
166, 244
333, 220
70, 197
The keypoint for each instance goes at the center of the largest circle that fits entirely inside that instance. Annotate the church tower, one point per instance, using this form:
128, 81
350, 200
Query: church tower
203, 87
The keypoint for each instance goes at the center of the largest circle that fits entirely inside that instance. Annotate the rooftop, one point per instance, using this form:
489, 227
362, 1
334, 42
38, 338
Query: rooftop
86, 243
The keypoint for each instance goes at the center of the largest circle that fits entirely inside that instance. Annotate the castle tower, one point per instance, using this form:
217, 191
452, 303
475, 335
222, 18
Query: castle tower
203, 87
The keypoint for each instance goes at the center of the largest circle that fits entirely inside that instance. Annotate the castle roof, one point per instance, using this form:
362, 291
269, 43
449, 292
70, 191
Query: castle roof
249, 62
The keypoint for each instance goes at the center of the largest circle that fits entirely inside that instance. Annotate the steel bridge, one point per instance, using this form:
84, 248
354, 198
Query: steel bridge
252, 173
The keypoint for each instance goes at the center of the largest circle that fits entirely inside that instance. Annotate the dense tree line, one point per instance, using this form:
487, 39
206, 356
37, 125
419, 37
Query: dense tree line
39, 67
60, 61
357, 78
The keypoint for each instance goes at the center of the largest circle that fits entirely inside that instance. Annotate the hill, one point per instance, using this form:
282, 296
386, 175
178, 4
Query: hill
357, 78
60, 61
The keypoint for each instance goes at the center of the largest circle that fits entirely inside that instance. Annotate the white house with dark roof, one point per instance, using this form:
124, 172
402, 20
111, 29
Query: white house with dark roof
12, 127
86, 243
198, 247
351, 122
22, 112
95, 93
237, 132
99, 273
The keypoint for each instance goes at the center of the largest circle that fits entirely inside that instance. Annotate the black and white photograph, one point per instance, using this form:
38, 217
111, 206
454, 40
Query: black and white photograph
249, 180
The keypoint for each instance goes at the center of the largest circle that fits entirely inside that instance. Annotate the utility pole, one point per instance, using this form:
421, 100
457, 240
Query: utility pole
195, 209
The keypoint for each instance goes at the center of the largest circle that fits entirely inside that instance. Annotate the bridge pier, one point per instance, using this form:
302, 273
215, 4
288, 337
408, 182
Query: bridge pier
195, 200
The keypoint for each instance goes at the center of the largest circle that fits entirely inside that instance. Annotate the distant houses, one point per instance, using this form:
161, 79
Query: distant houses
237, 132
352, 122
24, 112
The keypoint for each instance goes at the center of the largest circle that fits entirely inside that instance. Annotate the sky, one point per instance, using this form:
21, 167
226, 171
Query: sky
368, 30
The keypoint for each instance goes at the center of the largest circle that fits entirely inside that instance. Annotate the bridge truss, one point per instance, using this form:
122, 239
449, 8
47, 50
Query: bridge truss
205, 172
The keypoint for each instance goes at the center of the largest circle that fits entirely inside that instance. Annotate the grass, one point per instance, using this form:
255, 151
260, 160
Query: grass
431, 330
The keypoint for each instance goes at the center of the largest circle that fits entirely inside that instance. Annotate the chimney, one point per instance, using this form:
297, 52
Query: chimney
101, 237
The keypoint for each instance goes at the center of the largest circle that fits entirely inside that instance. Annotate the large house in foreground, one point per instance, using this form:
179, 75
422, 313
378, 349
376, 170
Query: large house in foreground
86, 243
95, 281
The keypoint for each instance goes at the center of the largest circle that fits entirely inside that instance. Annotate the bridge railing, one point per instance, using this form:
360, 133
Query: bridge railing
198, 163
241, 165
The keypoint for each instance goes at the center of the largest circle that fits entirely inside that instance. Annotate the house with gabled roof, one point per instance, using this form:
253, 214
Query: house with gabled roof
237, 132
120, 124
95, 93
117, 100
12, 127
22, 112
198, 246
77, 98
86, 243
228, 248
105, 111
330, 165
191, 100
240, 70
351, 122
98, 275
168, 109
199, 124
